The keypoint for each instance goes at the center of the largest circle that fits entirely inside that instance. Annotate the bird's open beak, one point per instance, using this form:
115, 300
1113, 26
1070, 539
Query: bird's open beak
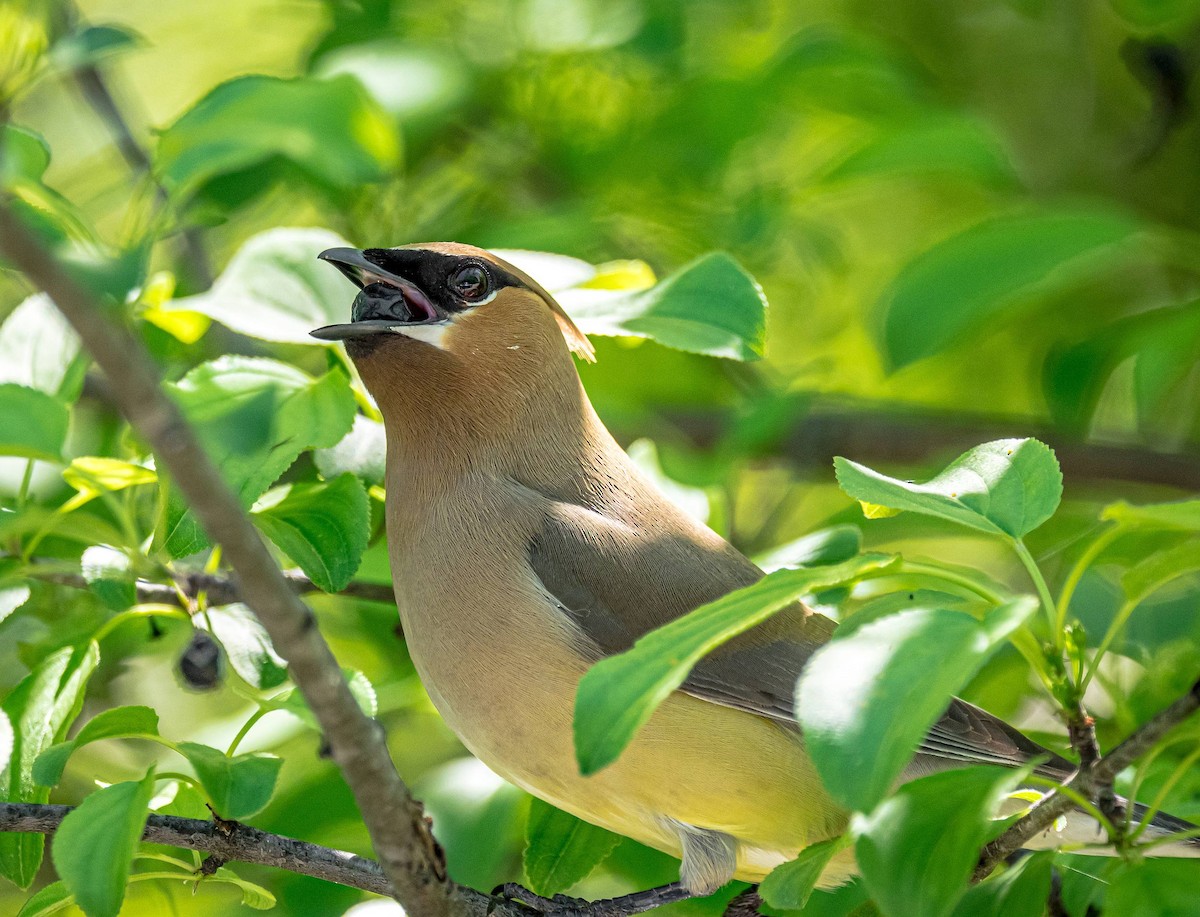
385, 303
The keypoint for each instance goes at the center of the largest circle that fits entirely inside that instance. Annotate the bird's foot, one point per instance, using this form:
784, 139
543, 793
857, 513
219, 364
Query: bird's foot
565, 906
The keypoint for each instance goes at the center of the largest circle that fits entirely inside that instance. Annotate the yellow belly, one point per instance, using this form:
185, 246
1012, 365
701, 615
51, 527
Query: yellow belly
695, 762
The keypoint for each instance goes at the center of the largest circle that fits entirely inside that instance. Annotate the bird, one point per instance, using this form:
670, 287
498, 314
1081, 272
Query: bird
525, 546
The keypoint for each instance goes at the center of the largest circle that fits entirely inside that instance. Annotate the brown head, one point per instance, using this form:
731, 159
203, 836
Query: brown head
456, 344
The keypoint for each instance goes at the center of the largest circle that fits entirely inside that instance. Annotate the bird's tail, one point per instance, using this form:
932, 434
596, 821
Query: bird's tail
1079, 829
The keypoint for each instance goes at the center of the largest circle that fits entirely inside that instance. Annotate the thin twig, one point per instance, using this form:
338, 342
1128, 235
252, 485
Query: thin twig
1091, 781
99, 96
220, 589
395, 821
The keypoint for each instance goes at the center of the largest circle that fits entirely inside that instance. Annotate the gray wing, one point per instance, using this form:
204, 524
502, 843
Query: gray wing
617, 582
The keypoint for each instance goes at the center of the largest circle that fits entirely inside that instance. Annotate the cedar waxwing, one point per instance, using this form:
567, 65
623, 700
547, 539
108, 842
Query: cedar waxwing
525, 545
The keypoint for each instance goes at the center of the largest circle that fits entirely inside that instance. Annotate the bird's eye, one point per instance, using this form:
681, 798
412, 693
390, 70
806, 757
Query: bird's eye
470, 282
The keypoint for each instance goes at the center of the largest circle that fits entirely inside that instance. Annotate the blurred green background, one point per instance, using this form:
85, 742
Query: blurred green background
970, 220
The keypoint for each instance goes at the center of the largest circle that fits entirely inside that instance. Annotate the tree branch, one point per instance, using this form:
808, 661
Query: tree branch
1090, 781
909, 435
235, 842
220, 589
410, 857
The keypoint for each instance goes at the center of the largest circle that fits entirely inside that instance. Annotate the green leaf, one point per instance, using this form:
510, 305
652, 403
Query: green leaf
1010, 487
253, 895
330, 130
1159, 569
94, 846
692, 500
1155, 14
93, 44
711, 306
935, 145
39, 349
26, 158
109, 573
12, 596
247, 645
40, 709
618, 694
409, 81
116, 723
275, 289
293, 702
827, 546
6, 740
1153, 888
864, 701
255, 417
561, 849
93, 475
239, 786
1182, 514
969, 280
917, 849
322, 527
52, 899
361, 452
1161, 341
789, 886
1020, 891
32, 423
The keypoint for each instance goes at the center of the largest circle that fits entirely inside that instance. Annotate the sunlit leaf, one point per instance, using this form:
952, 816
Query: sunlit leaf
789, 886
692, 500
253, 895
408, 81
238, 786
561, 849
1182, 514
39, 349
53, 899
917, 849
864, 701
255, 417
12, 596
275, 289
330, 130
1010, 486
970, 279
361, 452
109, 573
32, 423
711, 306
618, 694
292, 701
94, 846
40, 709
93, 475
117, 722
323, 527
826, 546
250, 651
